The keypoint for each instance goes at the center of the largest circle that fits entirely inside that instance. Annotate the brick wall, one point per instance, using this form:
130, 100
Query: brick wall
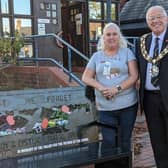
16, 78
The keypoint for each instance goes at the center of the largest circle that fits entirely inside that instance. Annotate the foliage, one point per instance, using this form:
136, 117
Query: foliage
17, 44
5, 49
58, 114
10, 48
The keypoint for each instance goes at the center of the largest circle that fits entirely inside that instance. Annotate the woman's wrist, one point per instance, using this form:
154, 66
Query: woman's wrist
119, 89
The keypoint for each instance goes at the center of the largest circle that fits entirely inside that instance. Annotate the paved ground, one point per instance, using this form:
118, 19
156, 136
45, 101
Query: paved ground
143, 154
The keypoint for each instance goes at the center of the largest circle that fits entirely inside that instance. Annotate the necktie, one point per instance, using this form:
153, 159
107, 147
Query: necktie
155, 67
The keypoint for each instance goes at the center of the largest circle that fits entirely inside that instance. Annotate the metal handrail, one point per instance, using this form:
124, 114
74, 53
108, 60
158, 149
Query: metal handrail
57, 63
70, 48
62, 41
132, 45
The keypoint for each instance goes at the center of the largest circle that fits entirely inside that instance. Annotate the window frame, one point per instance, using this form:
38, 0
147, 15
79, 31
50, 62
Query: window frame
12, 18
102, 21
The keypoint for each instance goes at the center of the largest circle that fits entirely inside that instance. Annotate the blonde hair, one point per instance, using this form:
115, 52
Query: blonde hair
122, 41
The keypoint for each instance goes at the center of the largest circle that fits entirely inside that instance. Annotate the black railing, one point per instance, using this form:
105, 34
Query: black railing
132, 42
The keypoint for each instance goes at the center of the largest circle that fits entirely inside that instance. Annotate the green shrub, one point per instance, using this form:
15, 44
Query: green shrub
10, 48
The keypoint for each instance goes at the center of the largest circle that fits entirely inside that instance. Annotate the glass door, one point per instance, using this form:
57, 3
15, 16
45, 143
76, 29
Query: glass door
100, 13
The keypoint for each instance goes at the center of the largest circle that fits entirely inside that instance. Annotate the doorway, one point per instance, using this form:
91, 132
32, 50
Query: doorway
74, 27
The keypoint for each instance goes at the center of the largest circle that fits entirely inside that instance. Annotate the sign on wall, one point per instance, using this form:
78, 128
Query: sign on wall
41, 29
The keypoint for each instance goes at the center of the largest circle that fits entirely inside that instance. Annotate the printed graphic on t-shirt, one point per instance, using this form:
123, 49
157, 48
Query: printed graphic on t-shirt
109, 71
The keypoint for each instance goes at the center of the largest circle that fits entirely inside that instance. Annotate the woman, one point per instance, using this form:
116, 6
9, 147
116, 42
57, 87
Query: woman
112, 71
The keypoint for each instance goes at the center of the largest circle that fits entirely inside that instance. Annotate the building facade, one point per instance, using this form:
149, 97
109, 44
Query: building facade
81, 22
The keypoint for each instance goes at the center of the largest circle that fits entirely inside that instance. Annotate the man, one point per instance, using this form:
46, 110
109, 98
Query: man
152, 53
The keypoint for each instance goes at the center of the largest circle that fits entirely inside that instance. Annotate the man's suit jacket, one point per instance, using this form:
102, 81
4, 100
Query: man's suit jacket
163, 71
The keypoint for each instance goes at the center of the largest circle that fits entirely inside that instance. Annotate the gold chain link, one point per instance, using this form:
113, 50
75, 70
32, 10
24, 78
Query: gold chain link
145, 54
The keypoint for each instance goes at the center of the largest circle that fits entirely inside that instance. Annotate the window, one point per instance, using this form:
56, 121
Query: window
22, 7
23, 26
4, 6
5, 26
95, 31
16, 16
94, 10
26, 51
99, 15
113, 11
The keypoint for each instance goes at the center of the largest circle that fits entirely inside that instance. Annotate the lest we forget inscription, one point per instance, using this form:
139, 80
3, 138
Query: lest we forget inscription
42, 119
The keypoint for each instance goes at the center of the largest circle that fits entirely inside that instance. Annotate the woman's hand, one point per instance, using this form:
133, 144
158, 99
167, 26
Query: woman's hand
109, 93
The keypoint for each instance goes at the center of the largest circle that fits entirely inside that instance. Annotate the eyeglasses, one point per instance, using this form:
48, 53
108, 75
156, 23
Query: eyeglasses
152, 18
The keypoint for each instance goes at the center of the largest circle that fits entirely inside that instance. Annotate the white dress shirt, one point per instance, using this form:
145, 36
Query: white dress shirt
148, 84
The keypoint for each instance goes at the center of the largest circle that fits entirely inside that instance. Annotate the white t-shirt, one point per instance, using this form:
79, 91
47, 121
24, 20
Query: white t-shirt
111, 71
